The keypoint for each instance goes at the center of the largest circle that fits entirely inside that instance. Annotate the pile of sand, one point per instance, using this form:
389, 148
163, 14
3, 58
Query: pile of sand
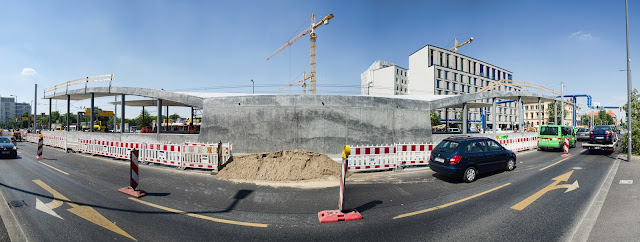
286, 165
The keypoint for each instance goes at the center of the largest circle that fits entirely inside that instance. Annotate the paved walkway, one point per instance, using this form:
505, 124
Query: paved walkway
619, 218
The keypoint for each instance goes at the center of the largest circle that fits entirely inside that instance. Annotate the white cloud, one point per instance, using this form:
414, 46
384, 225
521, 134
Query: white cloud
581, 36
28, 72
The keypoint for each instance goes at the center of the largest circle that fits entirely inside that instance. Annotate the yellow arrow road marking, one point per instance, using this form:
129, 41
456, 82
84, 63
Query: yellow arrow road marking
219, 220
449, 204
85, 212
562, 178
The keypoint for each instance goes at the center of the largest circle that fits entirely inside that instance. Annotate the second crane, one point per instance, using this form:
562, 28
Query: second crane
312, 39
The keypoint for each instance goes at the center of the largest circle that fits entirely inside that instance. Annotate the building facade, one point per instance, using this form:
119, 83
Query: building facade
10, 109
384, 78
437, 71
532, 119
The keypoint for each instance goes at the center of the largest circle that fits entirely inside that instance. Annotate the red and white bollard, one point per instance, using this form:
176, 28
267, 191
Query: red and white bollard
40, 148
133, 177
329, 216
565, 147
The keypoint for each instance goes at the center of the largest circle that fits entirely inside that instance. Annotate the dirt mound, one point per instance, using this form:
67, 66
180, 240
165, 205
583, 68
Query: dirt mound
285, 165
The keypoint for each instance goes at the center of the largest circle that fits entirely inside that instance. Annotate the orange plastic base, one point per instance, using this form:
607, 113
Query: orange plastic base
39, 157
132, 192
566, 155
330, 216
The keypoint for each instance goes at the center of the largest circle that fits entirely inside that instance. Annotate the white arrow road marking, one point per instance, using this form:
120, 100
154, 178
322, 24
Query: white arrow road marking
44, 208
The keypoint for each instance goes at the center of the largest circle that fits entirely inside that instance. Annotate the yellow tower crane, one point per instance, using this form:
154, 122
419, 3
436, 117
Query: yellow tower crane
312, 39
456, 46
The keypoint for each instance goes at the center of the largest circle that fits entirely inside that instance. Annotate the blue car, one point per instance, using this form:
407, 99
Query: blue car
466, 157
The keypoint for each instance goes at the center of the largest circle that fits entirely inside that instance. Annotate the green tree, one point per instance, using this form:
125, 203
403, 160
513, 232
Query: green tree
147, 119
72, 118
435, 118
174, 117
551, 110
55, 117
635, 124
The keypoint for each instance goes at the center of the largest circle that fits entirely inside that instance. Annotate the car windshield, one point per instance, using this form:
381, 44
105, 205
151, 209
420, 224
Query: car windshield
602, 128
549, 130
4, 140
583, 130
447, 146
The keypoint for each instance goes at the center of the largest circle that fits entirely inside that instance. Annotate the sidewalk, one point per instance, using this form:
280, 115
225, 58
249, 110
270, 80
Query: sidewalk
619, 219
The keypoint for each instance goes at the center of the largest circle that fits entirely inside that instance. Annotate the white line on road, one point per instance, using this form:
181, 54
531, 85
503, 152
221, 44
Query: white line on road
583, 229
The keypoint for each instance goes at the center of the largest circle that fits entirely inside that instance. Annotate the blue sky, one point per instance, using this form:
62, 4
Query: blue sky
219, 46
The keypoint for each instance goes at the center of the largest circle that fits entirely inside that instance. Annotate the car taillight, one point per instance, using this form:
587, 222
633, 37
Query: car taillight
455, 159
590, 132
608, 132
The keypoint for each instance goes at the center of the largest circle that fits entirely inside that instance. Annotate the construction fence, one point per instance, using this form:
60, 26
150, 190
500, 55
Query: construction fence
181, 156
385, 157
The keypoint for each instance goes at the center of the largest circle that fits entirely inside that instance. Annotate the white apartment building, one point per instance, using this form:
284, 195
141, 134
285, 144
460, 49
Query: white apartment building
384, 78
437, 71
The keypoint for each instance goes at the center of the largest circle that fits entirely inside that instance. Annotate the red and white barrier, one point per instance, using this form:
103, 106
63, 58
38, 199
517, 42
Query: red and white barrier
367, 158
205, 156
166, 154
413, 154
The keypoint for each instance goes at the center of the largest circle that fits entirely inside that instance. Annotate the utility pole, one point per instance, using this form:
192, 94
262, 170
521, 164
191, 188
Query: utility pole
35, 108
626, 16
561, 103
253, 87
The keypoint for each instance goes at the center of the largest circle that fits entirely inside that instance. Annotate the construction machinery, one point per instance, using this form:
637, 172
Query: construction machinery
456, 46
312, 39
100, 123
303, 80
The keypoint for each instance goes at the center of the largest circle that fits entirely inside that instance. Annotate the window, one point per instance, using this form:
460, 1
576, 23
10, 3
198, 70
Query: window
456, 62
474, 80
431, 58
438, 84
447, 146
454, 86
455, 76
498, 74
463, 87
475, 147
509, 77
439, 92
447, 60
446, 75
447, 85
476, 89
493, 73
439, 73
441, 58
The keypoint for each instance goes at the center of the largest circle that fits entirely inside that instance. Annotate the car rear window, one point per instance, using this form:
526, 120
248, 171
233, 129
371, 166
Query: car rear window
599, 128
447, 146
583, 130
548, 130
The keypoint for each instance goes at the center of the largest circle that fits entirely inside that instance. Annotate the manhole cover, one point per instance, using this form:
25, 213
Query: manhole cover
17, 203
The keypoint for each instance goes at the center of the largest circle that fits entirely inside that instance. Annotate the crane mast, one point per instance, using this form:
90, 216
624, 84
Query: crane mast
312, 52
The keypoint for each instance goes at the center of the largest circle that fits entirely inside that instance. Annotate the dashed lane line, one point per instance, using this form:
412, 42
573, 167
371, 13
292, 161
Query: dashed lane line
449, 204
56, 169
218, 220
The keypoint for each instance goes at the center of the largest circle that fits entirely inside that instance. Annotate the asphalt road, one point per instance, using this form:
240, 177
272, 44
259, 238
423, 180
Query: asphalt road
412, 204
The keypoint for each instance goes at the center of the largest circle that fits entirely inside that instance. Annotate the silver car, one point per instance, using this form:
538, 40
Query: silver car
583, 134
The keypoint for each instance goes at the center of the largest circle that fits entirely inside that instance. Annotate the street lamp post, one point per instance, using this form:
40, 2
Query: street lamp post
626, 16
253, 87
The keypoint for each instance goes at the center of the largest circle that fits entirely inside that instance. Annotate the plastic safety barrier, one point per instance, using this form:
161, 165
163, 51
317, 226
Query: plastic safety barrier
205, 156
367, 158
413, 154
166, 154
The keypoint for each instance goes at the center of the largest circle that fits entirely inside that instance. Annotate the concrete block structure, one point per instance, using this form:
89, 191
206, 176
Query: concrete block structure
9, 109
533, 118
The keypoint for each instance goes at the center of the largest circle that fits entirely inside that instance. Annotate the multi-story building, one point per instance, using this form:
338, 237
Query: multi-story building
437, 71
531, 118
384, 78
10, 109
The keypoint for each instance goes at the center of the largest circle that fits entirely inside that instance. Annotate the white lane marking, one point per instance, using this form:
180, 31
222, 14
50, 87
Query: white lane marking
626, 182
583, 229
44, 208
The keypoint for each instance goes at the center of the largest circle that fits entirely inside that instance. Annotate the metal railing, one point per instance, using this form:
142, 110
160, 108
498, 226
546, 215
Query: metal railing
85, 80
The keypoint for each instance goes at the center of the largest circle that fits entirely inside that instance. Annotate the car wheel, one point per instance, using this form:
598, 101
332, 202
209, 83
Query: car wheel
470, 174
511, 164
